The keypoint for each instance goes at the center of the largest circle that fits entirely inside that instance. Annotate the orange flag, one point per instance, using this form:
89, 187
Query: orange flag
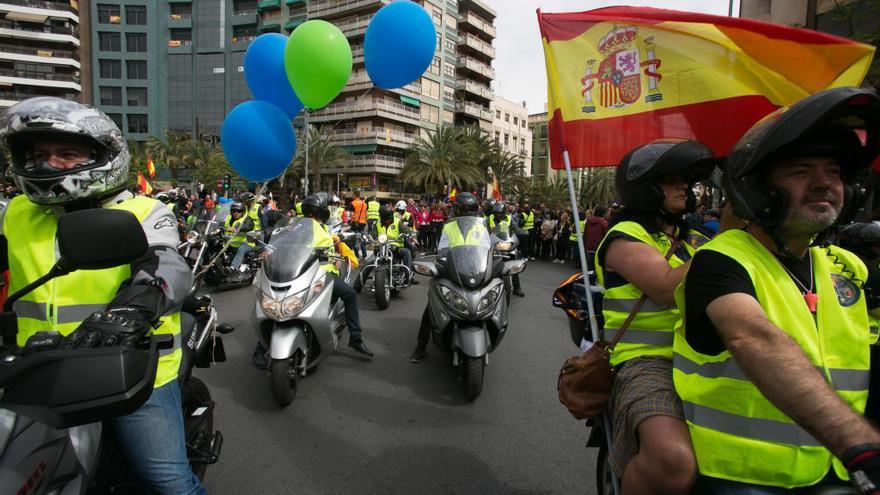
151, 168
496, 191
144, 185
452, 194
620, 77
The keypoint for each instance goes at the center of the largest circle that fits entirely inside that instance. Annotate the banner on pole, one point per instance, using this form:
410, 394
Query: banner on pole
621, 77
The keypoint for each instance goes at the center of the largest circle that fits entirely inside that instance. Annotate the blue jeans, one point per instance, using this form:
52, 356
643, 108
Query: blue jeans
153, 445
716, 486
359, 245
341, 290
244, 249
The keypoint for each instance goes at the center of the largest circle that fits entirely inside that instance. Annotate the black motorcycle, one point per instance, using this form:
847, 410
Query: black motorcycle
386, 275
53, 439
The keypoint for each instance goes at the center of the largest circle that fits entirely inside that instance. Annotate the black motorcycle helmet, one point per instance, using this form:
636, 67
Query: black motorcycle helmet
499, 209
863, 239
828, 123
466, 205
487, 207
236, 208
386, 213
316, 206
641, 169
247, 197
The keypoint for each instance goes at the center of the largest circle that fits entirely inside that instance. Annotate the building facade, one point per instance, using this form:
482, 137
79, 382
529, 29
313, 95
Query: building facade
174, 64
540, 163
812, 14
39, 50
510, 127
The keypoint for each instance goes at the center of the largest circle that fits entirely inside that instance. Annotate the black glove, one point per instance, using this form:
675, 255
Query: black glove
114, 327
863, 464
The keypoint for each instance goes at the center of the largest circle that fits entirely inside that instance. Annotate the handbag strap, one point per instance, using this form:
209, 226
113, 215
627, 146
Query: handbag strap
639, 304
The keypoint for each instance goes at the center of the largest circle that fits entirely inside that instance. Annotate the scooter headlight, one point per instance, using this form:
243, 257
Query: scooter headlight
503, 245
383, 238
270, 306
192, 237
454, 299
488, 301
284, 309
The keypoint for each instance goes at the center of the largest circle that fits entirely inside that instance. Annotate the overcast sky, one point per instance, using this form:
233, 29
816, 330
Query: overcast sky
519, 62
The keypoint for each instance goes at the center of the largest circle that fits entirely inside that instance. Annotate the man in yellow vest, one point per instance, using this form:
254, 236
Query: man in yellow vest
772, 357
372, 213
529, 239
66, 157
500, 220
238, 224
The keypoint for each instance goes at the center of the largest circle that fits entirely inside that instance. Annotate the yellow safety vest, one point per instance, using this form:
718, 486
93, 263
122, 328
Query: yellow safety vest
474, 237
529, 223
650, 332
392, 231
239, 237
324, 240
737, 433
254, 213
573, 235
299, 209
503, 225
62, 303
373, 210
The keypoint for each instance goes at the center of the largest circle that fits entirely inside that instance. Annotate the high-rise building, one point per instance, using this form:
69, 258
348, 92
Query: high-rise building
173, 64
510, 125
39, 50
540, 163
377, 126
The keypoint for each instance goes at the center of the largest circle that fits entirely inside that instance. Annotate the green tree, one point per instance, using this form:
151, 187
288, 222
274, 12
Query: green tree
509, 169
478, 149
441, 158
138, 163
168, 152
597, 187
859, 20
206, 160
323, 154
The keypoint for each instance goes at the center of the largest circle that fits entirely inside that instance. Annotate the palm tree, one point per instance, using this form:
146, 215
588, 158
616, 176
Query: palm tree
598, 186
206, 160
138, 163
168, 152
507, 167
440, 159
323, 154
478, 149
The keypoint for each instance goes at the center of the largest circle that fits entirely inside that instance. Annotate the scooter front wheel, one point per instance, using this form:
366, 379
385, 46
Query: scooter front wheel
473, 369
381, 288
285, 379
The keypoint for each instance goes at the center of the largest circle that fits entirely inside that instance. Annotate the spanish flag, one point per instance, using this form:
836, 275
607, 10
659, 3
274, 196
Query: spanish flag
496, 191
453, 194
151, 168
620, 77
143, 185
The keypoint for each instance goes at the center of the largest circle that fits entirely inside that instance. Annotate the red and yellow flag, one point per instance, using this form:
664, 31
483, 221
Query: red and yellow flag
151, 168
620, 77
496, 191
452, 194
144, 185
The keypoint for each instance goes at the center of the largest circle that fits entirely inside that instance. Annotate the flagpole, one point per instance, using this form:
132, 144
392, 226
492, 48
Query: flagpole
594, 326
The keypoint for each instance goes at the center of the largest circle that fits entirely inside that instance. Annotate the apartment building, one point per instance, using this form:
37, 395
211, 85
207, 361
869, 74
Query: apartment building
39, 50
540, 163
171, 64
377, 126
510, 125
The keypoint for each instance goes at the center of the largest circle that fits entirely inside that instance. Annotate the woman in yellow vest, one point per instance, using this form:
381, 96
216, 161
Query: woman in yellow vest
772, 359
67, 156
651, 451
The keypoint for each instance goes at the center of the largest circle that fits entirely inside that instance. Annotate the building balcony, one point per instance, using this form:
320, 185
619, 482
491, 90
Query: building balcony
293, 3
15, 32
38, 11
39, 55
357, 54
245, 18
271, 27
179, 1
355, 26
335, 8
243, 40
475, 67
373, 137
469, 43
293, 24
479, 7
382, 109
475, 89
268, 5
180, 21
50, 80
376, 163
471, 22
472, 109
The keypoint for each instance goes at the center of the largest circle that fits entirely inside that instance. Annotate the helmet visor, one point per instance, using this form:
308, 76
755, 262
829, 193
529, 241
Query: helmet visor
54, 154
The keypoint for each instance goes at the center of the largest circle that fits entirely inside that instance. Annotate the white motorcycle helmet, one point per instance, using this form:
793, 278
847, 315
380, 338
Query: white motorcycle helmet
47, 118
400, 206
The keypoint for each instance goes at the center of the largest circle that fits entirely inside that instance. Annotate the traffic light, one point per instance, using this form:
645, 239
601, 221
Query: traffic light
227, 181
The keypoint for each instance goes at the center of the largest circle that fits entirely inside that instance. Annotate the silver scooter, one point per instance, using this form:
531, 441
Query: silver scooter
293, 316
466, 303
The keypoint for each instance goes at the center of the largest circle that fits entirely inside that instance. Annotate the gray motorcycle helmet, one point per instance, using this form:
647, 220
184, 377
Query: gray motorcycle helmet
46, 117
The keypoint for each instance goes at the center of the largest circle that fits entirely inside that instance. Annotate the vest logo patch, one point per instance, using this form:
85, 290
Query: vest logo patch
163, 224
848, 293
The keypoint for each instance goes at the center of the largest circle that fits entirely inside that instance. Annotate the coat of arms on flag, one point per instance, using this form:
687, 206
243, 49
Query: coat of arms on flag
620, 72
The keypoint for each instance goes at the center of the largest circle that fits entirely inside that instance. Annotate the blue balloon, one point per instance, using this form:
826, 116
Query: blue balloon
265, 74
258, 140
399, 44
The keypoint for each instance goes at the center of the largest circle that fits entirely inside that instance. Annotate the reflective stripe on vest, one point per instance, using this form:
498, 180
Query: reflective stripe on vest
62, 303
392, 231
299, 208
254, 213
474, 237
650, 332
373, 210
737, 433
238, 238
573, 236
529, 222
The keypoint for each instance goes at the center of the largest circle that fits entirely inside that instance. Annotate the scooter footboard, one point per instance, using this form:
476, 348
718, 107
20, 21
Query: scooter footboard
472, 341
286, 339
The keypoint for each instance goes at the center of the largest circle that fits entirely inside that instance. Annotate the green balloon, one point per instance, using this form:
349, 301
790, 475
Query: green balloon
317, 59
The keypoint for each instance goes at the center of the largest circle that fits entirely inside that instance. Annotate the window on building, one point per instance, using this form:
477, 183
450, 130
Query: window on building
523, 124
137, 122
515, 143
507, 117
117, 119
450, 45
449, 70
110, 42
111, 95
497, 137
515, 120
506, 139
108, 14
137, 69
136, 15
137, 97
110, 69
498, 114
136, 42
435, 66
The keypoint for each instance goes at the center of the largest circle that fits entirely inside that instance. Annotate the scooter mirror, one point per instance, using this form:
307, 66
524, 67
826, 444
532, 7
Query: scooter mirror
99, 238
254, 236
513, 267
425, 268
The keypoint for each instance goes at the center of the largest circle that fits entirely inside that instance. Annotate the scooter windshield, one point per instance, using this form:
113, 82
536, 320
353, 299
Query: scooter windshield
291, 250
222, 213
470, 251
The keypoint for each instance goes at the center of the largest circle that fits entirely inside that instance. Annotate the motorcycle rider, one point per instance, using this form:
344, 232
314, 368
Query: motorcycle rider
466, 205
392, 227
651, 451
252, 209
772, 357
402, 214
238, 224
66, 157
501, 220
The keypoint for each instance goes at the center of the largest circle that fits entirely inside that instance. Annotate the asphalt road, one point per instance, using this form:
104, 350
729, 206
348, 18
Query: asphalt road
389, 426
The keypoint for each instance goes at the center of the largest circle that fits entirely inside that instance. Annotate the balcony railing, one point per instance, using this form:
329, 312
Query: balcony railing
39, 29
382, 108
65, 6
377, 161
179, 43
40, 52
377, 135
477, 67
478, 22
472, 109
475, 88
331, 7
243, 38
354, 26
47, 76
476, 43
180, 17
